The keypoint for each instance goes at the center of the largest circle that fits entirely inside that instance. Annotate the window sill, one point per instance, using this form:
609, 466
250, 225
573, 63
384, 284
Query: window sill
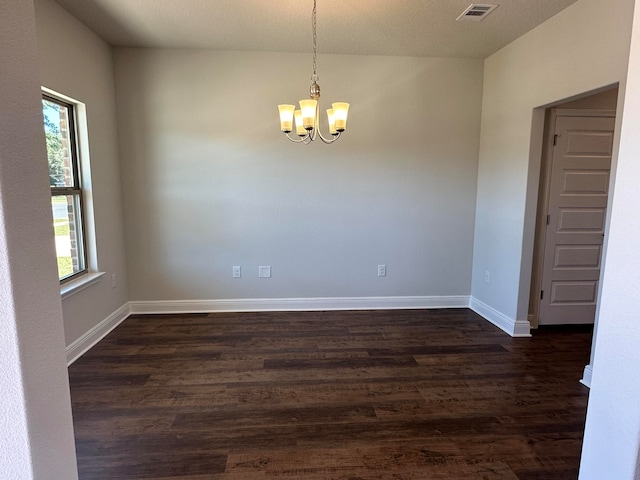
79, 284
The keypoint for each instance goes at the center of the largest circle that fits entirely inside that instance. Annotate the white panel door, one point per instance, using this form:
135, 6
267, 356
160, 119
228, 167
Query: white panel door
578, 195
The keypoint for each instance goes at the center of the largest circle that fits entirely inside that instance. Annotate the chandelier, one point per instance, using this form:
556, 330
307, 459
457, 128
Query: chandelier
307, 118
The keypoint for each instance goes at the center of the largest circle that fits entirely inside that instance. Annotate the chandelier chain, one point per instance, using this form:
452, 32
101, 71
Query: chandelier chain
315, 40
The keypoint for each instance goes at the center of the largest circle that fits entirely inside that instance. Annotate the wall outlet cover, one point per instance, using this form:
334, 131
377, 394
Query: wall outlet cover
264, 272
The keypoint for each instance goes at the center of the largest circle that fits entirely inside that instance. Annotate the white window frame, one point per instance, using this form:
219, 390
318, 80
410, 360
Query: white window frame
91, 274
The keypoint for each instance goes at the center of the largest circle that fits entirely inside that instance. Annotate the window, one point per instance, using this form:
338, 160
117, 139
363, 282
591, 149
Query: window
66, 192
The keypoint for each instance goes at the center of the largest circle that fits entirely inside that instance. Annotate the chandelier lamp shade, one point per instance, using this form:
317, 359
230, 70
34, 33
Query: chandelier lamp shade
306, 119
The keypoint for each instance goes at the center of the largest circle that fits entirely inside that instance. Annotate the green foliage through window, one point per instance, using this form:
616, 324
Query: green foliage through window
55, 151
66, 193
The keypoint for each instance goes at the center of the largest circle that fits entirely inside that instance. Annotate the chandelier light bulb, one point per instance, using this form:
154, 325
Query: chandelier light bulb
286, 117
340, 112
300, 130
332, 122
308, 108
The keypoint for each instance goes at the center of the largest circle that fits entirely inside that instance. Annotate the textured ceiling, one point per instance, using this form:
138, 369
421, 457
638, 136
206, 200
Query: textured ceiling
364, 27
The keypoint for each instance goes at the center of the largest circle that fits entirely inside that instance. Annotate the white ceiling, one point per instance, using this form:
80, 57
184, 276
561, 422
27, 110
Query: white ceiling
364, 27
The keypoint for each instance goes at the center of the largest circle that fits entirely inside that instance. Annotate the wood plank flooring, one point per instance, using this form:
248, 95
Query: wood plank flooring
362, 395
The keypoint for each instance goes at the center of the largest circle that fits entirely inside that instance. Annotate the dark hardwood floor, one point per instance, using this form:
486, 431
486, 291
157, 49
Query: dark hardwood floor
410, 394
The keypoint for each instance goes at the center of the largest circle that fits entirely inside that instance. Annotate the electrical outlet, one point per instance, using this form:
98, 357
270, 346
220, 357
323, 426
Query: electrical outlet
382, 270
264, 272
237, 272
487, 277
114, 281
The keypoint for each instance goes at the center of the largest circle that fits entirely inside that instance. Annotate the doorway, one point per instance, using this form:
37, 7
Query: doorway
572, 205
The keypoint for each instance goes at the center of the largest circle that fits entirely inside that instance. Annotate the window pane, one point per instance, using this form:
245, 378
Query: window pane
66, 225
58, 135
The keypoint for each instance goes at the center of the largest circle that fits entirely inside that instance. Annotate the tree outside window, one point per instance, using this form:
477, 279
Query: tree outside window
66, 193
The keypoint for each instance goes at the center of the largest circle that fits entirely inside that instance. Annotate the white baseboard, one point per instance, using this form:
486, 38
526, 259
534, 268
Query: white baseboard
515, 328
586, 376
297, 304
79, 346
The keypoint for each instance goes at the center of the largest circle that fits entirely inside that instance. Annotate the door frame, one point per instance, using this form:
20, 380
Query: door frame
544, 187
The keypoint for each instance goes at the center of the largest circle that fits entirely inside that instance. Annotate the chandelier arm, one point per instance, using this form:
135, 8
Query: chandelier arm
329, 140
296, 140
315, 133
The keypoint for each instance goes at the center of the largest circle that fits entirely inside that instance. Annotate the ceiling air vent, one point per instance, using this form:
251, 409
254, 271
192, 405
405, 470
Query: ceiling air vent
476, 12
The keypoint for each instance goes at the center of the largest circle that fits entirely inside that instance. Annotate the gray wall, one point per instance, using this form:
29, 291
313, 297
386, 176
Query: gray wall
611, 443
36, 431
210, 182
77, 63
583, 48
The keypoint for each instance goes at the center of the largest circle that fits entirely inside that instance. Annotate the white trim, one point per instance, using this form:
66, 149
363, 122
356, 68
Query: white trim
79, 346
84, 165
584, 112
74, 286
586, 376
515, 328
297, 304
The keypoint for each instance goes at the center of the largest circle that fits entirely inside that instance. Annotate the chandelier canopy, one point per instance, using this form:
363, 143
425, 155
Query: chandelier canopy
307, 118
